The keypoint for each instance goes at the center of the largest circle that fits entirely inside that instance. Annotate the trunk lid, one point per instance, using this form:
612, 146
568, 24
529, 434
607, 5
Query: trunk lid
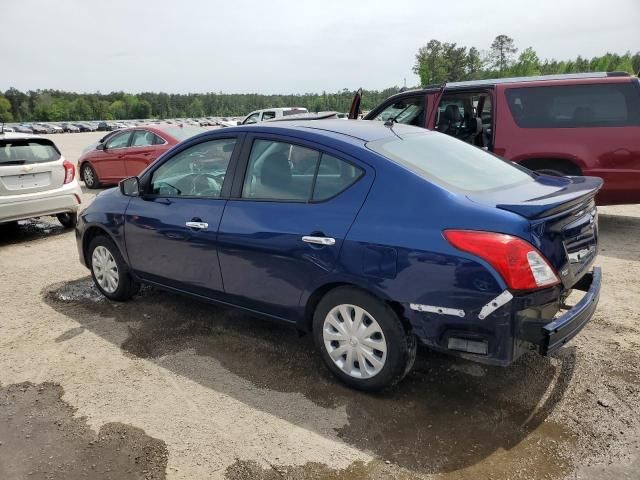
563, 219
29, 165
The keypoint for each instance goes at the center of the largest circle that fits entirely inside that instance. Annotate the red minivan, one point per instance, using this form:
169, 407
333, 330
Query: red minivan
574, 124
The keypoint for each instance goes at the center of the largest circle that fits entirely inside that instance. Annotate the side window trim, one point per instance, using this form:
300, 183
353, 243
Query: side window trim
145, 181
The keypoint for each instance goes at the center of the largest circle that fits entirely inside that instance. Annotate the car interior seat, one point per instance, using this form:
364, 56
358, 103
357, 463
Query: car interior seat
449, 118
275, 175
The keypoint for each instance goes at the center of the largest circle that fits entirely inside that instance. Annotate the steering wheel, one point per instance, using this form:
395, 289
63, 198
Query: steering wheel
206, 184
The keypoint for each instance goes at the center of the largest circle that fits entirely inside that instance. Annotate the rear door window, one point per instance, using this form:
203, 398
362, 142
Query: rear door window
575, 106
334, 176
280, 171
145, 138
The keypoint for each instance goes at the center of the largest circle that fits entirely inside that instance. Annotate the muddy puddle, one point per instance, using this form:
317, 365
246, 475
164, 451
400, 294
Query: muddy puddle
449, 416
28, 230
40, 438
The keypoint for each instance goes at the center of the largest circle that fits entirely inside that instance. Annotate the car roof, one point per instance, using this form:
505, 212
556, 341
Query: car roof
18, 136
490, 82
362, 130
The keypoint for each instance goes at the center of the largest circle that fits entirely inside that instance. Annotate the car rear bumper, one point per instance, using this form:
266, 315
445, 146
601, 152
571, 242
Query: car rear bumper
60, 200
568, 325
526, 323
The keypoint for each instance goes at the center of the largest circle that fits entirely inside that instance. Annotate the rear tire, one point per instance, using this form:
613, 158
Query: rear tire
370, 349
68, 220
109, 270
89, 176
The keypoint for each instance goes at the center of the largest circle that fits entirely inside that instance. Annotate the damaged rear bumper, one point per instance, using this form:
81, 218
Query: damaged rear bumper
568, 325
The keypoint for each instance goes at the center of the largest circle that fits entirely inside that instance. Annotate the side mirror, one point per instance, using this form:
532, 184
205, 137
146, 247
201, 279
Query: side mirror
239, 122
101, 146
130, 187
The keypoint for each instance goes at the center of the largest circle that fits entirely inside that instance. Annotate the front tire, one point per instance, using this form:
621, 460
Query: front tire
109, 270
68, 220
89, 176
362, 340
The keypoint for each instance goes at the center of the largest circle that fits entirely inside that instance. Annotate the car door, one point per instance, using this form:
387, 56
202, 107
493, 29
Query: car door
285, 223
145, 147
171, 228
109, 162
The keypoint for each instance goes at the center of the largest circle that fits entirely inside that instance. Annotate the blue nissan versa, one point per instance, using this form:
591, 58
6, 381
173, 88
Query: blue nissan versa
368, 235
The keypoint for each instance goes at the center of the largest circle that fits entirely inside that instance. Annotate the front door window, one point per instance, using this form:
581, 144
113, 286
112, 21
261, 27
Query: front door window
409, 111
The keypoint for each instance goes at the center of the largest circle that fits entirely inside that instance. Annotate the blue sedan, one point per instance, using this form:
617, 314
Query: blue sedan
372, 236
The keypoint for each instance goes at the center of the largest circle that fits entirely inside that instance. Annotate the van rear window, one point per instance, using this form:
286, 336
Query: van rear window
14, 151
575, 106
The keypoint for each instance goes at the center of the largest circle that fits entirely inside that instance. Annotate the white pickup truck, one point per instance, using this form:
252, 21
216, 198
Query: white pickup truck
271, 114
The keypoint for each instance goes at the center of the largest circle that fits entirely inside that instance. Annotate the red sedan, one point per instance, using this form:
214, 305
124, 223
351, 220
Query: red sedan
129, 151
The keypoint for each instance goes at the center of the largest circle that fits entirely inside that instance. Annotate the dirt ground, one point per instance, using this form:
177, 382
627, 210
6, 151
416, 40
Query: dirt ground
166, 387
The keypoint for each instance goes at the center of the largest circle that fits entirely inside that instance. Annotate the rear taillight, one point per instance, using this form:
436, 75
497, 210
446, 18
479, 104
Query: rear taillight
69, 171
519, 263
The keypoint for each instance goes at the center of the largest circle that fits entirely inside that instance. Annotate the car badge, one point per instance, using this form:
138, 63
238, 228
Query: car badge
27, 168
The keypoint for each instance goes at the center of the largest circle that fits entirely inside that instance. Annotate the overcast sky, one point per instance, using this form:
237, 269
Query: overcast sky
280, 46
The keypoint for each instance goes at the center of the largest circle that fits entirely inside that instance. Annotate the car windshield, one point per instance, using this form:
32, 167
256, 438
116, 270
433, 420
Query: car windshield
182, 133
15, 151
451, 163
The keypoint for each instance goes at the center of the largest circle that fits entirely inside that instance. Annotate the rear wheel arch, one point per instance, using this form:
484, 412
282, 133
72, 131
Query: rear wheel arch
560, 165
322, 291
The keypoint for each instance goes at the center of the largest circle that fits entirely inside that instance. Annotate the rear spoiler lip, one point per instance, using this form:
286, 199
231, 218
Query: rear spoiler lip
539, 208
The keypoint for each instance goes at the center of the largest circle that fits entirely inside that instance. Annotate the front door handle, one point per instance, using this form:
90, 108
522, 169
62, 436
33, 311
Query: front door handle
319, 240
197, 225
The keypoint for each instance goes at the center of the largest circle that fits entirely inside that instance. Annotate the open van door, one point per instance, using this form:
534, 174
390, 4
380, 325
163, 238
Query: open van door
431, 118
354, 110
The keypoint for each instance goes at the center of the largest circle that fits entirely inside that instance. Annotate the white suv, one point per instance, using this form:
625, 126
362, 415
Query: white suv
271, 114
36, 180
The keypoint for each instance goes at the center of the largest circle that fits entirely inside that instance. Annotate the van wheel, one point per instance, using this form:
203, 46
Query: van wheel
68, 220
361, 339
89, 176
556, 168
109, 270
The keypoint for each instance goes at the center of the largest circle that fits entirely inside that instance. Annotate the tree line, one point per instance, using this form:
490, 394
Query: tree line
56, 105
435, 63
439, 62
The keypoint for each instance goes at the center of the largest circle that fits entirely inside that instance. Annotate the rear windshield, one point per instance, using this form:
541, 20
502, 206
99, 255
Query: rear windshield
15, 151
451, 163
574, 106
294, 111
182, 133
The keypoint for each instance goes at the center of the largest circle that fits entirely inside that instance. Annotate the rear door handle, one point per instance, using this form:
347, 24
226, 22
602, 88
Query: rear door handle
319, 240
197, 225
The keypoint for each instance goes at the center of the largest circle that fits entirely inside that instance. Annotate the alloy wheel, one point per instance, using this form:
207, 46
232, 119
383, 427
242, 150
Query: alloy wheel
87, 175
105, 269
354, 341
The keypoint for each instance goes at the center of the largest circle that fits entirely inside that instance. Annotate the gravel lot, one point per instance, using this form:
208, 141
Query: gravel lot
166, 387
